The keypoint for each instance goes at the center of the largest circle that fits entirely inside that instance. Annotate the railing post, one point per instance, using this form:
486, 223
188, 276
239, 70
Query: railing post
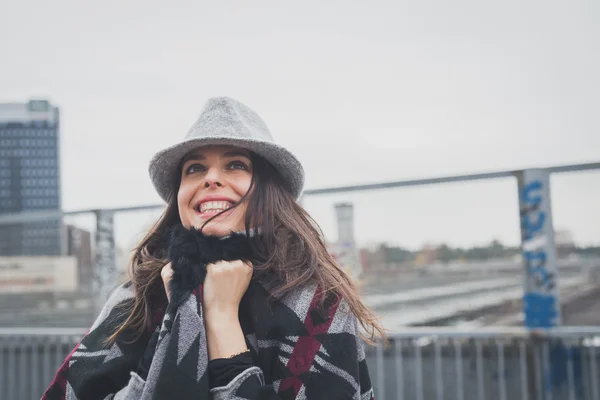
540, 301
105, 270
533, 380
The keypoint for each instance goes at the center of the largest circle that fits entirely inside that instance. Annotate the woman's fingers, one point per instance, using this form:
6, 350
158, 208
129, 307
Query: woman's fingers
225, 285
166, 273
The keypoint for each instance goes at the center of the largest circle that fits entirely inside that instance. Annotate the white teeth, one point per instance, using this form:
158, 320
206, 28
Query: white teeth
214, 206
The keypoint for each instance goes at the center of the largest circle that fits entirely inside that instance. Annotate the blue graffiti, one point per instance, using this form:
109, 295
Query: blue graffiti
528, 189
536, 269
532, 200
532, 256
539, 304
533, 225
541, 278
540, 310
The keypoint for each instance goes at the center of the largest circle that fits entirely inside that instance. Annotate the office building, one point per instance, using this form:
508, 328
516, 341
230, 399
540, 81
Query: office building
30, 177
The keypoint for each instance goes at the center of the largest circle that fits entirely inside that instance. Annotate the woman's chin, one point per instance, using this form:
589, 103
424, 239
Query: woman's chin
214, 229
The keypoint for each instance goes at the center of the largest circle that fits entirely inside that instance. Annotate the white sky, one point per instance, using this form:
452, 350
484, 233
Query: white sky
361, 92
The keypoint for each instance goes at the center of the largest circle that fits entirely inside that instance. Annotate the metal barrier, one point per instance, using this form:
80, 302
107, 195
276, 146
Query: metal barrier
420, 363
29, 359
487, 364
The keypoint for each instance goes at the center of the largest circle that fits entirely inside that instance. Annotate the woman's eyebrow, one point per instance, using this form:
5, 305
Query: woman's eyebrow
194, 156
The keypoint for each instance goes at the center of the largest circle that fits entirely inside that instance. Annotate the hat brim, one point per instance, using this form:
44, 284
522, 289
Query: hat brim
164, 166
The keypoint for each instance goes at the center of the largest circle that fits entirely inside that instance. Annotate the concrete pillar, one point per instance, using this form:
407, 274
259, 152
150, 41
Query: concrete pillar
347, 251
105, 270
541, 304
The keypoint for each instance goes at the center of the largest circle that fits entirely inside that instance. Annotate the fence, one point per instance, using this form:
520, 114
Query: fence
419, 363
502, 364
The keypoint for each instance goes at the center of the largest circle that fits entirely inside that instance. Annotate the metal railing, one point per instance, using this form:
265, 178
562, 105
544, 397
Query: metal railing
29, 359
487, 364
420, 363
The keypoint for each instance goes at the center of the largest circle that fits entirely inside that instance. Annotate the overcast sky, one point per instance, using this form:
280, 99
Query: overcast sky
360, 91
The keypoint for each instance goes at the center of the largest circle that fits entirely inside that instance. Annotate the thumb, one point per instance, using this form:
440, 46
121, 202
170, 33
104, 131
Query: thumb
166, 274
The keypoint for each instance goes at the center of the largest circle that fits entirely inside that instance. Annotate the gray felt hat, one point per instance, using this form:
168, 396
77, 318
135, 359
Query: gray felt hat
225, 121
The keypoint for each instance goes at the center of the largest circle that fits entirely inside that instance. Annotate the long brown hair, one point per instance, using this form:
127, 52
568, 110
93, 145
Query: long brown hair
291, 242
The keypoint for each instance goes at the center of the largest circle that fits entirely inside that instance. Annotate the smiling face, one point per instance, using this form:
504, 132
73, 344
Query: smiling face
213, 179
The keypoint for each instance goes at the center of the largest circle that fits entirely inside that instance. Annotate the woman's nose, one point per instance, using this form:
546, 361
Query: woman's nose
212, 178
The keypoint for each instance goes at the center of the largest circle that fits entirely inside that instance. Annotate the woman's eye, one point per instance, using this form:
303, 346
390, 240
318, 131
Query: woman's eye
194, 168
238, 165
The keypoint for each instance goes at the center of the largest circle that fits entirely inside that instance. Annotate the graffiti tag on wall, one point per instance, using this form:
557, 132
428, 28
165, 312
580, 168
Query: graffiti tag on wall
540, 302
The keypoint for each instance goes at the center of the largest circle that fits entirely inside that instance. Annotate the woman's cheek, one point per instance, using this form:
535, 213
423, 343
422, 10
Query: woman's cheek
184, 197
185, 193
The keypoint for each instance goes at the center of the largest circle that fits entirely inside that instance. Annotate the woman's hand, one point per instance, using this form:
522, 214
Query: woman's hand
166, 273
225, 284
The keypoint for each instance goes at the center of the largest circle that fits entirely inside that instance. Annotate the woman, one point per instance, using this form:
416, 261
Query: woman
232, 293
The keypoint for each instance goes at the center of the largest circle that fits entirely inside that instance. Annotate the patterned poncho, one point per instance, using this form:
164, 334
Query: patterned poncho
300, 349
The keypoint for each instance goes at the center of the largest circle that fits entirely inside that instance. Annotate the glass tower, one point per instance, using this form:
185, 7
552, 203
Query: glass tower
30, 177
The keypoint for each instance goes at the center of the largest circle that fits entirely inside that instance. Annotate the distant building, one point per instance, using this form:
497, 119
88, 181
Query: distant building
563, 237
79, 245
383, 261
38, 274
344, 255
427, 255
565, 244
30, 176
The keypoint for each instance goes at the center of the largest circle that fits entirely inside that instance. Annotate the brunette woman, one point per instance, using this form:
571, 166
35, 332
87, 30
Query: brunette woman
232, 294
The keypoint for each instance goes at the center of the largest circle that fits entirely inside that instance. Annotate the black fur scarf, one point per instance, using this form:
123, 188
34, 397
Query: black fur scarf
190, 251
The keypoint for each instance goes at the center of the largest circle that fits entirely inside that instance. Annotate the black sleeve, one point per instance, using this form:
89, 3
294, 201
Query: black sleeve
222, 370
